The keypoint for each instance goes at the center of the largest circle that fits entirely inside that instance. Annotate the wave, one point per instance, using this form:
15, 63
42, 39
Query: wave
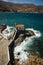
20, 52
7, 32
21, 49
37, 33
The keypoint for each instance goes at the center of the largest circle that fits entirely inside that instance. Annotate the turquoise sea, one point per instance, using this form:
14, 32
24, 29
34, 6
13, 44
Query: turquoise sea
33, 20
30, 20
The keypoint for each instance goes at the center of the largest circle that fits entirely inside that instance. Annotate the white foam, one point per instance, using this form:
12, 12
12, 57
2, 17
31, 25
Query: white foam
36, 32
23, 46
23, 55
7, 32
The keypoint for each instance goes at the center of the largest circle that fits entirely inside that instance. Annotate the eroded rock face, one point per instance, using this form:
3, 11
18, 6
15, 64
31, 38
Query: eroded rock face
31, 33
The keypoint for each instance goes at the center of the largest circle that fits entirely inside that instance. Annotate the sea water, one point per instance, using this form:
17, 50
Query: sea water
32, 21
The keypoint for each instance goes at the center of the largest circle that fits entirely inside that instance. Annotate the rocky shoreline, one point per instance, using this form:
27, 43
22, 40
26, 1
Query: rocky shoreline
20, 36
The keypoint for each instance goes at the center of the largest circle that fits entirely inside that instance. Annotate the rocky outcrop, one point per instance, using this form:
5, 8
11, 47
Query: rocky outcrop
32, 60
2, 27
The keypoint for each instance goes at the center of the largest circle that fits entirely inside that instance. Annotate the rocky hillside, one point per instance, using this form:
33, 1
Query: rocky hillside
11, 7
33, 60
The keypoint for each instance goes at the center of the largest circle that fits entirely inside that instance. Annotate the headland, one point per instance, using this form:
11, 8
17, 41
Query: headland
12, 43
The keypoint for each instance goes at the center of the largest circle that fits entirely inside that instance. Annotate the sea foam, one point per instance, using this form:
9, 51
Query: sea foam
23, 55
7, 32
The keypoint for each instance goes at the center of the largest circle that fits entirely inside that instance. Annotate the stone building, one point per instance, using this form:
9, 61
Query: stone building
20, 26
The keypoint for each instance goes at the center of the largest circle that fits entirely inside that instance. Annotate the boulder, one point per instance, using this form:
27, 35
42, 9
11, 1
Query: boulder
2, 27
